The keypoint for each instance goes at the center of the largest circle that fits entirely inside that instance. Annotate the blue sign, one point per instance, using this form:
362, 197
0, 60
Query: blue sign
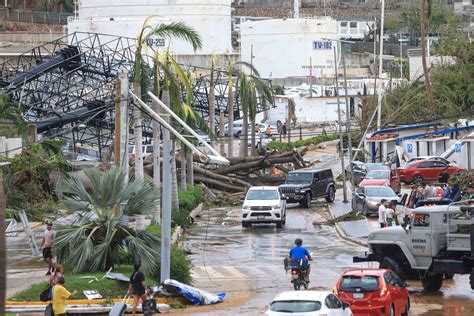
457, 147
322, 45
409, 148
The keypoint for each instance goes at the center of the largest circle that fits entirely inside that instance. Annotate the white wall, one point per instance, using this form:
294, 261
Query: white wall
10, 147
282, 48
416, 66
210, 18
309, 110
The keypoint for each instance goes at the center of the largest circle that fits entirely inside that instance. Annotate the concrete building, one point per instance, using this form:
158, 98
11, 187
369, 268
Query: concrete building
288, 47
416, 65
210, 18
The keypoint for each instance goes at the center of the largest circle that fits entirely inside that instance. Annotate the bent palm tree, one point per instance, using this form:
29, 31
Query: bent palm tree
95, 239
10, 112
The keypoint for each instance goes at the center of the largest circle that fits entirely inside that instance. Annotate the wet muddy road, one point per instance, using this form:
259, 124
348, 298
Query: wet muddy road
247, 264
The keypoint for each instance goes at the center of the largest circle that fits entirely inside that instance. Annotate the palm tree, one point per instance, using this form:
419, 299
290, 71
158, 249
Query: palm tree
426, 74
230, 108
212, 100
94, 241
156, 139
250, 88
177, 30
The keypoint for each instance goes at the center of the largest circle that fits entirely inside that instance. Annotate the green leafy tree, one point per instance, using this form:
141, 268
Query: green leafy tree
95, 240
11, 117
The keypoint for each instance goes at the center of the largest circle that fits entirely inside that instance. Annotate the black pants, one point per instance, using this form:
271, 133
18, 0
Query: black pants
382, 225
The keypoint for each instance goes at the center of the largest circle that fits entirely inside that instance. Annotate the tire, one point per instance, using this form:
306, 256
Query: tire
392, 310
331, 195
432, 283
448, 276
279, 225
284, 221
305, 285
417, 179
471, 279
306, 201
237, 135
407, 308
296, 286
394, 265
245, 225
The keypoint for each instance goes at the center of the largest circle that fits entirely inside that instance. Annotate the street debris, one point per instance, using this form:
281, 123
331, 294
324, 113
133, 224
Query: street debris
194, 295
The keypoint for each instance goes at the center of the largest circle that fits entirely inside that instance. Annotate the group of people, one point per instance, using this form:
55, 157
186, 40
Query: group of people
268, 131
387, 213
425, 191
57, 282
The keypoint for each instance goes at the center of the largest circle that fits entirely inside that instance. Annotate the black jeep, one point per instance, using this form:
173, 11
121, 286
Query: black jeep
302, 186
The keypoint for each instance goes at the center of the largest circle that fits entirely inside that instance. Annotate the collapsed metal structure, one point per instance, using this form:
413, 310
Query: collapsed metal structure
66, 88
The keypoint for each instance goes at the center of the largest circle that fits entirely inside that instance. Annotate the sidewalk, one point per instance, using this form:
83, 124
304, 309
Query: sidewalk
354, 231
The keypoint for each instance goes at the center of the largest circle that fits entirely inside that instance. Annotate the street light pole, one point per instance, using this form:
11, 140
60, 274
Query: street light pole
348, 126
341, 141
379, 93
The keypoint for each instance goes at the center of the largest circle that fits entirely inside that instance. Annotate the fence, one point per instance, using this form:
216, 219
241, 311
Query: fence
15, 15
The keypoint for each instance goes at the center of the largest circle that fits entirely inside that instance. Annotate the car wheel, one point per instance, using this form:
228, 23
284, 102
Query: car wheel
279, 224
245, 224
392, 264
471, 279
407, 308
418, 180
392, 310
296, 286
331, 195
306, 201
448, 276
284, 221
432, 282
237, 135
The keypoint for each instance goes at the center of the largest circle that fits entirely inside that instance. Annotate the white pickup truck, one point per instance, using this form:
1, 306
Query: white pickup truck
437, 241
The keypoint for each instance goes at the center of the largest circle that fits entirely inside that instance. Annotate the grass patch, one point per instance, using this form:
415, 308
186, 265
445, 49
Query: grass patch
188, 200
109, 289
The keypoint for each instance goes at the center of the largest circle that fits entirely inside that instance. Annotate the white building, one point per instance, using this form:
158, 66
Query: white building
287, 47
416, 65
210, 18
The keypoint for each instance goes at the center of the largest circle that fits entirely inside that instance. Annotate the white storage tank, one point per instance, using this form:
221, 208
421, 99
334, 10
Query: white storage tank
287, 47
210, 18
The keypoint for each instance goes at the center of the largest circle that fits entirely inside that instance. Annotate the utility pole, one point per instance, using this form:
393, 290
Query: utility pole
166, 209
124, 124
341, 141
296, 9
221, 132
379, 99
348, 127
117, 125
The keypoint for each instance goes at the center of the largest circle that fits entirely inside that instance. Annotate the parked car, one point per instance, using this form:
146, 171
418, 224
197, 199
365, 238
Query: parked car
236, 130
373, 292
446, 161
308, 303
382, 178
302, 186
367, 199
420, 171
258, 142
147, 150
264, 204
361, 169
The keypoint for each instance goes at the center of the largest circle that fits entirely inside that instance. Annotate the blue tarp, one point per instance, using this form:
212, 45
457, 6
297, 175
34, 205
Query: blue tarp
194, 295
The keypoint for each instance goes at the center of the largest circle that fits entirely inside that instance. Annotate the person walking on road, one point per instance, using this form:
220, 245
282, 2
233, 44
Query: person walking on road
382, 212
137, 287
47, 246
284, 128
60, 295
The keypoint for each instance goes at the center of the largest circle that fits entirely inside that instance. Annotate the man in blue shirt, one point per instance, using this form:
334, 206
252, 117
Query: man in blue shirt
301, 253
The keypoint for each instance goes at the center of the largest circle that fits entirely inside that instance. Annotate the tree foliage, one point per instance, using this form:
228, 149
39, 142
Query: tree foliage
96, 239
11, 117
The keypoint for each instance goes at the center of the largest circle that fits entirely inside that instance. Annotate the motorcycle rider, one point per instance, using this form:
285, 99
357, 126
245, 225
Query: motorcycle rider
301, 253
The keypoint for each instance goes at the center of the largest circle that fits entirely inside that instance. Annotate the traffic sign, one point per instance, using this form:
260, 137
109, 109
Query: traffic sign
457, 147
409, 148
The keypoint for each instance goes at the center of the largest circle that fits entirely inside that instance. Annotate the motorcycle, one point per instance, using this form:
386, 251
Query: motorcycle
297, 273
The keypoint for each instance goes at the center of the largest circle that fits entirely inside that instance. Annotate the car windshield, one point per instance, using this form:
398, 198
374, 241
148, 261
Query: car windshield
262, 195
378, 174
295, 177
352, 283
295, 306
376, 166
380, 191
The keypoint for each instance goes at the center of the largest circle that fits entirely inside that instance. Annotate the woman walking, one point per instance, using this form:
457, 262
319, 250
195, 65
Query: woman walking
137, 287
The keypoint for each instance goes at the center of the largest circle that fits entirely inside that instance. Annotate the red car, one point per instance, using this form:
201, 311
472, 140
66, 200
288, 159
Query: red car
373, 292
382, 178
426, 171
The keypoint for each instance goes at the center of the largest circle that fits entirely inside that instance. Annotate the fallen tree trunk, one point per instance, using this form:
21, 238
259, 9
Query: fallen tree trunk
219, 184
215, 176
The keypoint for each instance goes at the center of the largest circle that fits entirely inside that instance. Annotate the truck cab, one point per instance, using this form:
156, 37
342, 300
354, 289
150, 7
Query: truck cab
435, 241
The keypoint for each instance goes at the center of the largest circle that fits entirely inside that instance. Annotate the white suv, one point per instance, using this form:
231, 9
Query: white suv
264, 205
